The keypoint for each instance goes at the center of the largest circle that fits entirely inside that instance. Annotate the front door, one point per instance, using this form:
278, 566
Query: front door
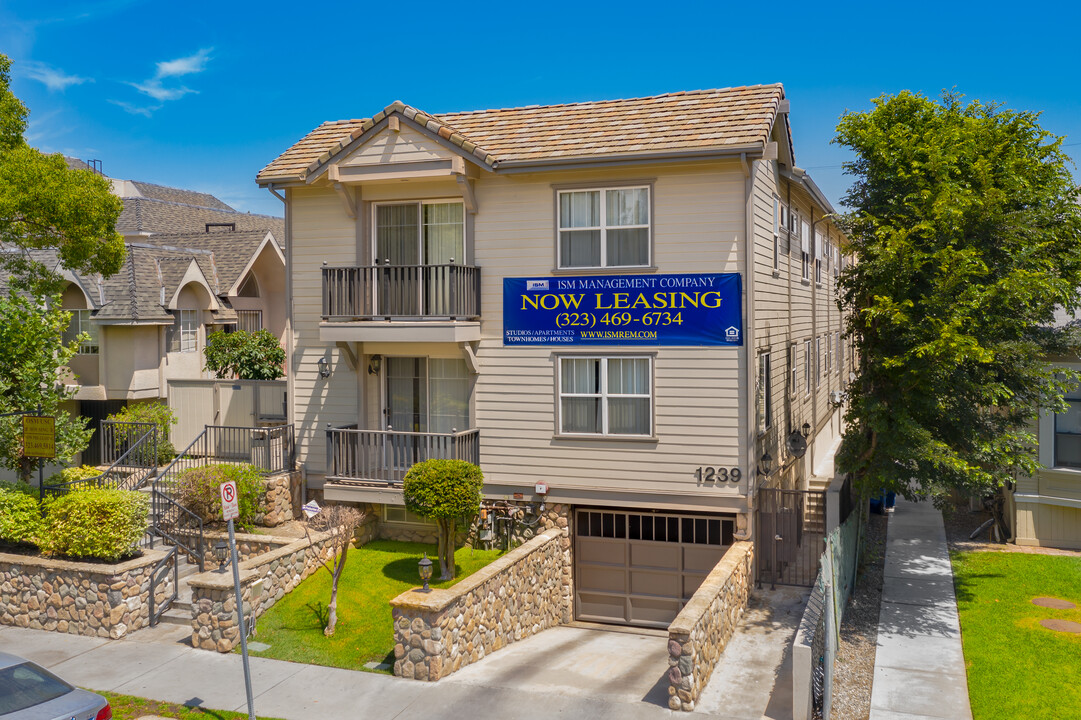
427, 399
415, 243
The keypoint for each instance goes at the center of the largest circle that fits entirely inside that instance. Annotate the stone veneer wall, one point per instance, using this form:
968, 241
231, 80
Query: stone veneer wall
214, 623
247, 545
79, 598
699, 634
282, 500
518, 595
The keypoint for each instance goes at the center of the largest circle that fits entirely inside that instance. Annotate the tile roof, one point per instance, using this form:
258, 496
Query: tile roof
683, 121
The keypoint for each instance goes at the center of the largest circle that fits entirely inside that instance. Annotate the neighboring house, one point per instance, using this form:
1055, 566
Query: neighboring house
194, 265
420, 248
1045, 509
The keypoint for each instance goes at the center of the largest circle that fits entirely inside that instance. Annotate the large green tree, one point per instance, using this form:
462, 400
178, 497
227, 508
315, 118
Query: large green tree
43, 204
966, 236
246, 355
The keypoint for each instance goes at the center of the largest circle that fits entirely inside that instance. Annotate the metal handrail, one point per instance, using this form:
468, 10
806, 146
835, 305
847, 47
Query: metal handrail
365, 292
194, 550
121, 482
384, 456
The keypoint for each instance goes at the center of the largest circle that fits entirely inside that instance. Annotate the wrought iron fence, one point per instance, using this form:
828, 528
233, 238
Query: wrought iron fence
131, 468
789, 536
384, 456
389, 291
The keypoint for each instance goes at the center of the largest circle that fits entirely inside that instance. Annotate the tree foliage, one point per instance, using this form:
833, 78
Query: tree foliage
43, 204
150, 412
31, 377
966, 236
245, 355
449, 492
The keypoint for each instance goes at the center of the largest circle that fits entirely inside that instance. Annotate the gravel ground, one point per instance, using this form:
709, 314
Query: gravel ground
854, 670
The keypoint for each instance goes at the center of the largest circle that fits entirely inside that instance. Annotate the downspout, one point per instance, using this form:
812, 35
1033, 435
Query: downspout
272, 191
750, 461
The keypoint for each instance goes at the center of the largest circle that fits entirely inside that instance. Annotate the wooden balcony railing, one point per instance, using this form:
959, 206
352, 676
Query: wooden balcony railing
378, 292
384, 456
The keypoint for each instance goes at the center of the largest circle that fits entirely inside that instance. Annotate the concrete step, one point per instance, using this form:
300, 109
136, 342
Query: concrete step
176, 616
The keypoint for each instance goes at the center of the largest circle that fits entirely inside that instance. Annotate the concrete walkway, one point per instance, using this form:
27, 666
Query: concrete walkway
919, 666
571, 672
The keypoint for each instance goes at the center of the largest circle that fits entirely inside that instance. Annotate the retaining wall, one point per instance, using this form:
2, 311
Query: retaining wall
518, 595
80, 598
699, 634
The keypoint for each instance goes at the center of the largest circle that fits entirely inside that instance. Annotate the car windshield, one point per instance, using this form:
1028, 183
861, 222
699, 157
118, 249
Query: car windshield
26, 685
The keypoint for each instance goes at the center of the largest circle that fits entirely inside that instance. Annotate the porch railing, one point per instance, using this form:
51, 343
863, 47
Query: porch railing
384, 456
135, 449
401, 291
272, 449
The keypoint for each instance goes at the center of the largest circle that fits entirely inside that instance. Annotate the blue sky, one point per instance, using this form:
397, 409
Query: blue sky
202, 95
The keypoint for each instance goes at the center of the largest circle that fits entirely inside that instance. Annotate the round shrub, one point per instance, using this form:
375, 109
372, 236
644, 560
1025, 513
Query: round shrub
72, 474
200, 491
20, 517
95, 523
443, 489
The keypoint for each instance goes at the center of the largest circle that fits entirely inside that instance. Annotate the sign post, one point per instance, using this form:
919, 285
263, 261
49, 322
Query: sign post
39, 440
230, 510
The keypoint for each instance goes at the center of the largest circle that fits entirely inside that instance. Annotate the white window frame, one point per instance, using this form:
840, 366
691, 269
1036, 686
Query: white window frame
818, 361
420, 226
793, 369
764, 409
81, 319
603, 227
805, 248
241, 315
777, 218
188, 327
603, 395
807, 350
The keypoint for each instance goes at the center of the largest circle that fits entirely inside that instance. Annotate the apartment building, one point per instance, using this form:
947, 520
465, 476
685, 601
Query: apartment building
623, 311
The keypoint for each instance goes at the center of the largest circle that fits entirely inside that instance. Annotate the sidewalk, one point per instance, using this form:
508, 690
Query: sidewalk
919, 666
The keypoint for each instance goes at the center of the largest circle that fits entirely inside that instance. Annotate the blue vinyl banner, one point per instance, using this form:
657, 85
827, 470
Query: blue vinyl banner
692, 309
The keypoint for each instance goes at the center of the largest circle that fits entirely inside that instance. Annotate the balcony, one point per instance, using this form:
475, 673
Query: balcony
401, 303
382, 457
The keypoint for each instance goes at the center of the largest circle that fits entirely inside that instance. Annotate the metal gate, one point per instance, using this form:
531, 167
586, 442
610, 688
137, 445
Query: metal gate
789, 535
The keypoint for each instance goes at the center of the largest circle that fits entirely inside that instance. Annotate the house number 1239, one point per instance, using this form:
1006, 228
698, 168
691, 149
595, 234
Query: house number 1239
708, 474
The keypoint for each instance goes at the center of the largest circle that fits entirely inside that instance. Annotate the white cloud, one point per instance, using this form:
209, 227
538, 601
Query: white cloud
53, 78
184, 66
135, 109
154, 89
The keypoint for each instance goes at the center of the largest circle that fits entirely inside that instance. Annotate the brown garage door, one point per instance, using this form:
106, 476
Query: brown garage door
635, 568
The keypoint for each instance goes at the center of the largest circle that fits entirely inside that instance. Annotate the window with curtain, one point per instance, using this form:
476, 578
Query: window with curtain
249, 320
604, 227
764, 404
427, 394
807, 365
449, 382
420, 233
80, 323
605, 396
1068, 433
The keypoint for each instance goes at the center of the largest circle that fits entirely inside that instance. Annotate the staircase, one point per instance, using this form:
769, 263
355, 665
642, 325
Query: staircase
814, 510
179, 612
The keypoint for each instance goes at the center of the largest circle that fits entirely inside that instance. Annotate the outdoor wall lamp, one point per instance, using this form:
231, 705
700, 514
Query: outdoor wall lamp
221, 554
765, 465
806, 430
324, 368
425, 572
375, 364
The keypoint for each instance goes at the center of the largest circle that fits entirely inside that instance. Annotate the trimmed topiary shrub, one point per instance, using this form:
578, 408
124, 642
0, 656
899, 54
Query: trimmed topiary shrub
20, 517
447, 491
71, 474
95, 523
200, 491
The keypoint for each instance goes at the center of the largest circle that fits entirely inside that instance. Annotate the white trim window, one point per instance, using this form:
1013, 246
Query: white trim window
778, 223
793, 369
829, 352
764, 404
805, 248
249, 320
184, 334
81, 323
820, 251
1068, 433
818, 361
605, 396
807, 366
603, 227
840, 352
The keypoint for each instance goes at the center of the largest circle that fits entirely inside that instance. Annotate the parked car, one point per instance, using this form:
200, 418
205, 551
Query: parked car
30, 692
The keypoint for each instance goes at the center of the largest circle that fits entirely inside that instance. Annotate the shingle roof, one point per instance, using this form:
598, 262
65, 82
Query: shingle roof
683, 121
179, 195
229, 252
149, 215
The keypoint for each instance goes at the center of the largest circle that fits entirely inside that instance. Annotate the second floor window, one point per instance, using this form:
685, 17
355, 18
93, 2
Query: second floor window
424, 233
249, 320
184, 334
805, 249
604, 227
807, 355
79, 324
765, 400
605, 396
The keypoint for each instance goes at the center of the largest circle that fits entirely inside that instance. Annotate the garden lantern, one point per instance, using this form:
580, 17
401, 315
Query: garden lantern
221, 554
765, 465
425, 572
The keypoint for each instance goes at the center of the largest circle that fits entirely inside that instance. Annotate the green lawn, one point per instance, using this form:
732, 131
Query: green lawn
1017, 668
373, 575
129, 707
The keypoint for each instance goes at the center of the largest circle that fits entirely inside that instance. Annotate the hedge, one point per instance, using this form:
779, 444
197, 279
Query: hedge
20, 518
72, 474
94, 523
200, 491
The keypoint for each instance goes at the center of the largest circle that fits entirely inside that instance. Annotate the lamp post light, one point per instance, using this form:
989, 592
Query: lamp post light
221, 554
425, 572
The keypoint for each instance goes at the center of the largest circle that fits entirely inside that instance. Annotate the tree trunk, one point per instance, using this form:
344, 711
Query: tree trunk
332, 608
446, 549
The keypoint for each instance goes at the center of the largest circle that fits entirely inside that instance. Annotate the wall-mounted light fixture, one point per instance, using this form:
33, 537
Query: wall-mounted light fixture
837, 398
374, 364
765, 465
806, 430
324, 368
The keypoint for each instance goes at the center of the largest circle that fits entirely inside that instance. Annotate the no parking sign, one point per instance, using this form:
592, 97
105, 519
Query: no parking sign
230, 505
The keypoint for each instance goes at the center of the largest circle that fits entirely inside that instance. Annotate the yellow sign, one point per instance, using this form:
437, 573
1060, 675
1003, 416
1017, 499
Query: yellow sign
39, 436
